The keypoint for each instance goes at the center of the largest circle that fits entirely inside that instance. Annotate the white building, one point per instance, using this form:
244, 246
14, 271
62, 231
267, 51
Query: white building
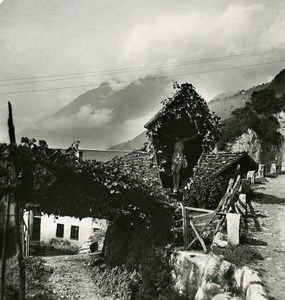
44, 227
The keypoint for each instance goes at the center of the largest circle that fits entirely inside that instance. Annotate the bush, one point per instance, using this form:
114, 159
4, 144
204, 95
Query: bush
258, 115
61, 244
206, 192
116, 282
151, 279
36, 274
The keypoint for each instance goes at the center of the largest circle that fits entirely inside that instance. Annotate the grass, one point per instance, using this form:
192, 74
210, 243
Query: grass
36, 277
239, 255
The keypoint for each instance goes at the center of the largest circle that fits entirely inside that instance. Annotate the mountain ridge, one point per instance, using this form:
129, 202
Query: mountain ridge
224, 103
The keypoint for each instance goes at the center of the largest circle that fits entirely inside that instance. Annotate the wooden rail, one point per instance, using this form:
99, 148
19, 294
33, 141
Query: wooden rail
197, 221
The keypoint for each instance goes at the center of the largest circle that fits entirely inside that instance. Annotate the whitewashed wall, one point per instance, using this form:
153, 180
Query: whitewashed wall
49, 224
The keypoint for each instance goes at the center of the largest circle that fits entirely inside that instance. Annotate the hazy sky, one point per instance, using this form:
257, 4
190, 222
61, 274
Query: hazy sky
55, 37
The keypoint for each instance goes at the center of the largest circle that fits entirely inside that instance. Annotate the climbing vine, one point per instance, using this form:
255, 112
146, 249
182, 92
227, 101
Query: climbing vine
57, 182
188, 110
186, 101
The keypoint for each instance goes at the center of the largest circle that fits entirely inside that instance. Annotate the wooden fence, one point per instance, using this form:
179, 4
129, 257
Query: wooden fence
198, 224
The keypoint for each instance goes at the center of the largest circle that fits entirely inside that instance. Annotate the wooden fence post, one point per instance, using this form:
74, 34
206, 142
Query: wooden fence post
18, 216
4, 246
261, 171
185, 226
273, 168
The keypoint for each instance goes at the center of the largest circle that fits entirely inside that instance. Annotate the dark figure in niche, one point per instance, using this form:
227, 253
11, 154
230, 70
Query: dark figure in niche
178, 158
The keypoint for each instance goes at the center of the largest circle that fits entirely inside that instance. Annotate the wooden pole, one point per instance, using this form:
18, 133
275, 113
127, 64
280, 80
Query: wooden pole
18, 218
185, 225
4, 246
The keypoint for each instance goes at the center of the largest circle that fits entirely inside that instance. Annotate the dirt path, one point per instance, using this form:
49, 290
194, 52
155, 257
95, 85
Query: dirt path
270, 201
71, 278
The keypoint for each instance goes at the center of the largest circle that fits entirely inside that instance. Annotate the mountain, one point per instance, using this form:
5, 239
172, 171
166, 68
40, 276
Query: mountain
133, 144
102, 117
278, 84
224, 105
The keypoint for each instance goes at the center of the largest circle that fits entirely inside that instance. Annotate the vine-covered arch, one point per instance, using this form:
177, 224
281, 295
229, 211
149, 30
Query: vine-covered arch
183, 115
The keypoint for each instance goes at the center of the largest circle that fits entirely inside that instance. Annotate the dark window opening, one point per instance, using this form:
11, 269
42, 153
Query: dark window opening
59, 230
80, 155
36, 229
74, 232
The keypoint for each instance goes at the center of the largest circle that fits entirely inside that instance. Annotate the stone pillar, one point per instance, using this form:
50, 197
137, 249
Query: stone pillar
283, 167
233, 225
273, 169
261, 171
251, 176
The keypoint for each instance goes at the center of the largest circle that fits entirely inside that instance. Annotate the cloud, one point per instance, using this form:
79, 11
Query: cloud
86, 117
192, 35
101, 118
51, 42
234, 30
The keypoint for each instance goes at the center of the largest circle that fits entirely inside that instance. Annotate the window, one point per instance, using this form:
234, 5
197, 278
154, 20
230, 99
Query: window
59, 230
74, 232
80, 155
36, 229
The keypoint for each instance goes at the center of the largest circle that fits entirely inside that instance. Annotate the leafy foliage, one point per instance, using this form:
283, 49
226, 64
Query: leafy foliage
205, 191
62, 244
151, 279
258, 114
62, 184
186, 103
239, 255
36, 275
116, 281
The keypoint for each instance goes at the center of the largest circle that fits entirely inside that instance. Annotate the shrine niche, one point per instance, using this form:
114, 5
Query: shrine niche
180, 132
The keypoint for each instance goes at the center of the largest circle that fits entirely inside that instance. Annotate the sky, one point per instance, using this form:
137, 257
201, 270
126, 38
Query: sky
40, 38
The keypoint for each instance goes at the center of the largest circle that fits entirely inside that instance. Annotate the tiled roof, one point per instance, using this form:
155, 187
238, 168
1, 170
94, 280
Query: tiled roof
216, 163
102, 155
140, 163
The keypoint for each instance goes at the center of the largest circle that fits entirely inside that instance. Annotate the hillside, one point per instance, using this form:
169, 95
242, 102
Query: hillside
258, 127
102, 117
133, 144
224, 105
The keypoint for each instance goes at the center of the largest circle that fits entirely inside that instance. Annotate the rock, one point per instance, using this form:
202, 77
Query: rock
207, 291
248, 142
219, 240
222, 297
255, 291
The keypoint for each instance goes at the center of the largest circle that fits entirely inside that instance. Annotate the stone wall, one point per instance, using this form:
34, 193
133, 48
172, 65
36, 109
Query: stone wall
209, 277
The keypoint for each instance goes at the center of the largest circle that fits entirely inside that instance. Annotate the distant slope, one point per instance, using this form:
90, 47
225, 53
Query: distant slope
134, 144
101, 117
223, 106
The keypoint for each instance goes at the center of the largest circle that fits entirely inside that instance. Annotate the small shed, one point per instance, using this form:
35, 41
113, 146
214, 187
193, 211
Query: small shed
225, 164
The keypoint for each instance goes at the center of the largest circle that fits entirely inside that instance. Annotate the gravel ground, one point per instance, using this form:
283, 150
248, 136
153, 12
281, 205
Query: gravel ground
270, 202
71, 278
